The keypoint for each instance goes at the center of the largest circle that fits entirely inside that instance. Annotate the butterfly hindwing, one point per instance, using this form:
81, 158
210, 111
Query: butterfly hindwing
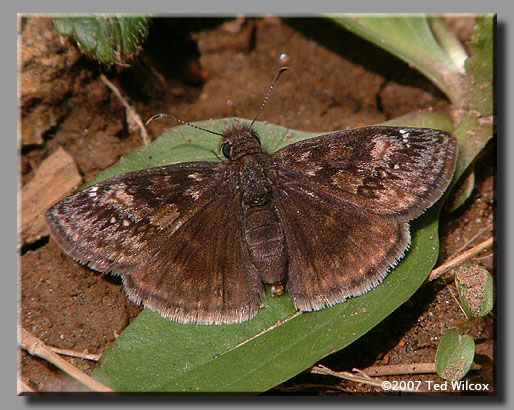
201, 273
328, 245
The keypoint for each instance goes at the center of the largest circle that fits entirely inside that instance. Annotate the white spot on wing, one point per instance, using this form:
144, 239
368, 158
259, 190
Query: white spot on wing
92, 191
304, 156
314, 170
196, 176
193, 193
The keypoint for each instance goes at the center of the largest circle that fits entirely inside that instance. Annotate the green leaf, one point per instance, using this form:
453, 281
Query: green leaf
424, 119
475, 286
480, 66
472, 134
454, 355
185, 143
109, 39
475, 115
155, 354
448, 41
461, 192
410, 38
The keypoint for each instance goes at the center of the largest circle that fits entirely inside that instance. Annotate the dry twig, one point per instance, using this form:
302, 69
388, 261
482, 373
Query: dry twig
132, 115
38, 348
460, 259
361, 377
320, 369
397, 369
73, 353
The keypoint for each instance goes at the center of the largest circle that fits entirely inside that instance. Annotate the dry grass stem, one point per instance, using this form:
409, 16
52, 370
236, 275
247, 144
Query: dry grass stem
38, 348
132, 115
460, 259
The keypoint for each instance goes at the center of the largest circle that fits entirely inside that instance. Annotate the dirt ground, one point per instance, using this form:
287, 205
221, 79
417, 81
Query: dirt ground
212, 68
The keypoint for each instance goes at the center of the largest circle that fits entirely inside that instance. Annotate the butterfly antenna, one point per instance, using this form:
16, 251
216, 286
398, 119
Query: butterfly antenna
277, 76
171, 117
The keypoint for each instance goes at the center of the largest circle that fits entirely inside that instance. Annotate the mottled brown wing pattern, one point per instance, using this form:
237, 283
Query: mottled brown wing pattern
177, 248
201, 274
329, 246
108, 225
388, 170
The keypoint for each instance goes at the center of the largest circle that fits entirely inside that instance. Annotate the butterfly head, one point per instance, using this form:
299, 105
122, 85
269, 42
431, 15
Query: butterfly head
239, 139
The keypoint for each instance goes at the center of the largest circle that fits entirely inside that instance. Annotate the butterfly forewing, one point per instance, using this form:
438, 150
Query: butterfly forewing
387, 170
110, 225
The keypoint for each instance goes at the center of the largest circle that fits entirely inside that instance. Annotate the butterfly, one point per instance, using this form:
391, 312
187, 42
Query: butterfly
323, 219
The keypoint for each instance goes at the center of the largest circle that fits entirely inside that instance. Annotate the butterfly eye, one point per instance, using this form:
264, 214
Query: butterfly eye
226, 149
257, 138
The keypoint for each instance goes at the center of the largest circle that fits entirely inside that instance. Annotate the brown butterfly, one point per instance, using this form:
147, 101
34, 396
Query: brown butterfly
324, 218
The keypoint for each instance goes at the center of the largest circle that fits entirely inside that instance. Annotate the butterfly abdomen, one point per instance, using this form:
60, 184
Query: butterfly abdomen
265, 242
